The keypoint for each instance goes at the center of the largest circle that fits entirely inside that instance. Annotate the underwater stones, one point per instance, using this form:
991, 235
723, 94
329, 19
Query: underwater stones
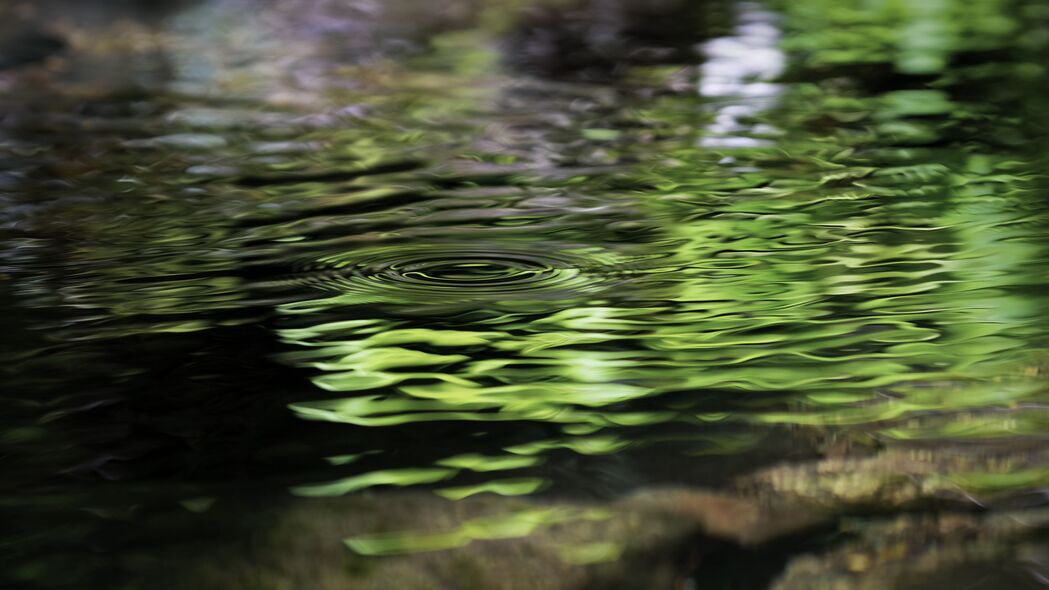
745, 521
23, 44
652, 538
490, 542
902, 477
918, 551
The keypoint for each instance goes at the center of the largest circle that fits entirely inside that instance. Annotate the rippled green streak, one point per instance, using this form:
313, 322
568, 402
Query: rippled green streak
507, 526
393, 477
505, 487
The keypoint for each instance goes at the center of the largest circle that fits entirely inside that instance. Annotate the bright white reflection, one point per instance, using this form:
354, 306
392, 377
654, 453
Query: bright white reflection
741, 68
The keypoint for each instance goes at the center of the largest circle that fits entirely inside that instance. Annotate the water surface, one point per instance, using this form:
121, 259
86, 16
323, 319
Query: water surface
566, 252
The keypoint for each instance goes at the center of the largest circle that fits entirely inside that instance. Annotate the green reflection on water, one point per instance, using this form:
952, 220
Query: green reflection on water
860, 262
488, 272
502, 487
475, 462
392, 477
505, 526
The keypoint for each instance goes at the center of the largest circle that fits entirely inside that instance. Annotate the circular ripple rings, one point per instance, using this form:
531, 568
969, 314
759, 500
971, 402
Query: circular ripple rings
442, 273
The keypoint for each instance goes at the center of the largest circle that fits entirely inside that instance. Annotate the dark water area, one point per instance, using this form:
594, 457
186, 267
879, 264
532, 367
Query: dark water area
488, 270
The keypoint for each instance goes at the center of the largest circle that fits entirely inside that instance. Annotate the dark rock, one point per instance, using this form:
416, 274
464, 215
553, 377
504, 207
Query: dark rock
23, 44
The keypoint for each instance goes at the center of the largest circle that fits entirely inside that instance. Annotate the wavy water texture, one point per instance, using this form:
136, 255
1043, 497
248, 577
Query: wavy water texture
498, 254
839, 275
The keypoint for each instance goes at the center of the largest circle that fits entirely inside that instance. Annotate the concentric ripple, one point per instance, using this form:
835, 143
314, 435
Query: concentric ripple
449, 273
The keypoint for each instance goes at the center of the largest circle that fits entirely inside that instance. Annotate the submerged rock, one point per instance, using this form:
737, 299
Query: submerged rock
987, 552
961, 474
654, 538
22, 44
419, 541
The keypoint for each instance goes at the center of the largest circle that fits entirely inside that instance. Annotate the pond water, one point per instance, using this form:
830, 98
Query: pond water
255, 256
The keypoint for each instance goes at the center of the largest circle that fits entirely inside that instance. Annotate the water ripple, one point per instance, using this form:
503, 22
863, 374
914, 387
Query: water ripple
449, 273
